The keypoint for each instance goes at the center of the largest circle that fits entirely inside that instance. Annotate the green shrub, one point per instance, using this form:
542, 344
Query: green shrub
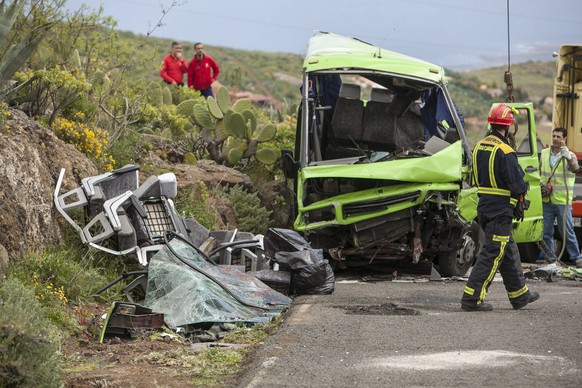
29, 342
193, 203
251, 215
131, 148
67, 276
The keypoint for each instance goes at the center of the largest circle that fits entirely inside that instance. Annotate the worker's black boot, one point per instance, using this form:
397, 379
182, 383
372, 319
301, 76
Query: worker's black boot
533, 296
477, 307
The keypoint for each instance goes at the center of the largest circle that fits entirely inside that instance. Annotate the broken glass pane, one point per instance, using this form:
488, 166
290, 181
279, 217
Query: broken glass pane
188, 290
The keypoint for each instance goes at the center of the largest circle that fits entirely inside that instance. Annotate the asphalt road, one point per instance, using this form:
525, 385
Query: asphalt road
412, 332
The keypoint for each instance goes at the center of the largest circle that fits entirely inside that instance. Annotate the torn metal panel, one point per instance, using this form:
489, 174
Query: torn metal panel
123, 316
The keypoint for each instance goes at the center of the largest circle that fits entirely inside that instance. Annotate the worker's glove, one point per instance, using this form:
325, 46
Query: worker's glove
565, 152
520, 208
546, 188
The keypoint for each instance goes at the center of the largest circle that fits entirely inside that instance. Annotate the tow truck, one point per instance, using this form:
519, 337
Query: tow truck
567, 113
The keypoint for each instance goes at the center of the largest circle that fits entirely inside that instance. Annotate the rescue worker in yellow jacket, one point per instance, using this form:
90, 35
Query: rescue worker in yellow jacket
501, 188
559, 166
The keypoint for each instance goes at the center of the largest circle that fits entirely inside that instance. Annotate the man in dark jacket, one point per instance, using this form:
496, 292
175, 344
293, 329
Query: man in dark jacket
202, 71
174, 66
501, 189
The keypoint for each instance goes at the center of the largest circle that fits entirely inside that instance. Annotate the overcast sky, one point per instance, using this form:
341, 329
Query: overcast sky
457, 34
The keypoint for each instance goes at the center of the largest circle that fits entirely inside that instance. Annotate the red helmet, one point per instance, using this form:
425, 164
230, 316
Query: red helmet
501, 114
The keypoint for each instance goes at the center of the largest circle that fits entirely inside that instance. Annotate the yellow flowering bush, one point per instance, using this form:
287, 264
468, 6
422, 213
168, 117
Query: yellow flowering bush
48, 291
91, 142
4, 115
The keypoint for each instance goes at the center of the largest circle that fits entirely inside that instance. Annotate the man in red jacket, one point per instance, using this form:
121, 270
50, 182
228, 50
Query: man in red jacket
174, 66
202, 71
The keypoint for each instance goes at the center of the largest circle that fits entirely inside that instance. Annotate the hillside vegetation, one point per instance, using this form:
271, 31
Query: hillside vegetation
279, 75
97, 89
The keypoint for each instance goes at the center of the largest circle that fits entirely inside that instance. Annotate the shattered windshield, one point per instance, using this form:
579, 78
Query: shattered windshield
189, 290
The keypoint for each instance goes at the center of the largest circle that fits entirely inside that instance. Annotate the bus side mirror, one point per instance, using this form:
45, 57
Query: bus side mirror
289, 165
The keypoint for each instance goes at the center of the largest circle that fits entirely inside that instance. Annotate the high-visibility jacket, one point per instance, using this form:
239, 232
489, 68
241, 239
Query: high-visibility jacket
559, 184
497, 173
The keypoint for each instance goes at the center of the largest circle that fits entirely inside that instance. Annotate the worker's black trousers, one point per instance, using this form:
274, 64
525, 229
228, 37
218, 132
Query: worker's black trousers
499, 252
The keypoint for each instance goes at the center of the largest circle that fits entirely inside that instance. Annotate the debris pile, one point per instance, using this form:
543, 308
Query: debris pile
192, 278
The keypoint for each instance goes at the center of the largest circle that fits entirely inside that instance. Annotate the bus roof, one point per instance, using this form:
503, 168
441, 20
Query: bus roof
329, 51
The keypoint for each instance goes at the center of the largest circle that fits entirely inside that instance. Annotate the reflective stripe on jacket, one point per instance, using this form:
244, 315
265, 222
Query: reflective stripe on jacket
558, 194
497, 173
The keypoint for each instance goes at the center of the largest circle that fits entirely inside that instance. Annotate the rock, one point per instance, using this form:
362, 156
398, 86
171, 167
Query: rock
30, 163
211, 173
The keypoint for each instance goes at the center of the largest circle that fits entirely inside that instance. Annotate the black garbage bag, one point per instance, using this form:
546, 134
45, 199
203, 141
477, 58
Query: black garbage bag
310, 272
328, 285
283, 240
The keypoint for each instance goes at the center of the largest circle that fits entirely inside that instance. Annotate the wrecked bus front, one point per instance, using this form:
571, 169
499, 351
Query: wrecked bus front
382, 163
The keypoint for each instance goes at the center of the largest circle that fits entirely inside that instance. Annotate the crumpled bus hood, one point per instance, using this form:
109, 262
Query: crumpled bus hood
444, 166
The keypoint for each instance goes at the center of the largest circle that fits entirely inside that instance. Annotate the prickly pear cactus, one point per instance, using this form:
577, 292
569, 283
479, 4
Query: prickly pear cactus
186, 107
235, 149
235, 125
234, 156
266, 133
222, 99
241, 105
202, 116
213, 108
166, 133
155, 96
167, 95
250, 119
220, 133
231, 133
190, 158
266, 156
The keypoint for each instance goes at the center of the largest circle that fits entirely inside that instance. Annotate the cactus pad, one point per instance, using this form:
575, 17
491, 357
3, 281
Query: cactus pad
250, 117
202, 116
166, 134
186, 107
213, 108
242, 104
220, 133
189, 158
234, 156
155, 96
235, 125
167, 95
266, 156
222, 99
266, 133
